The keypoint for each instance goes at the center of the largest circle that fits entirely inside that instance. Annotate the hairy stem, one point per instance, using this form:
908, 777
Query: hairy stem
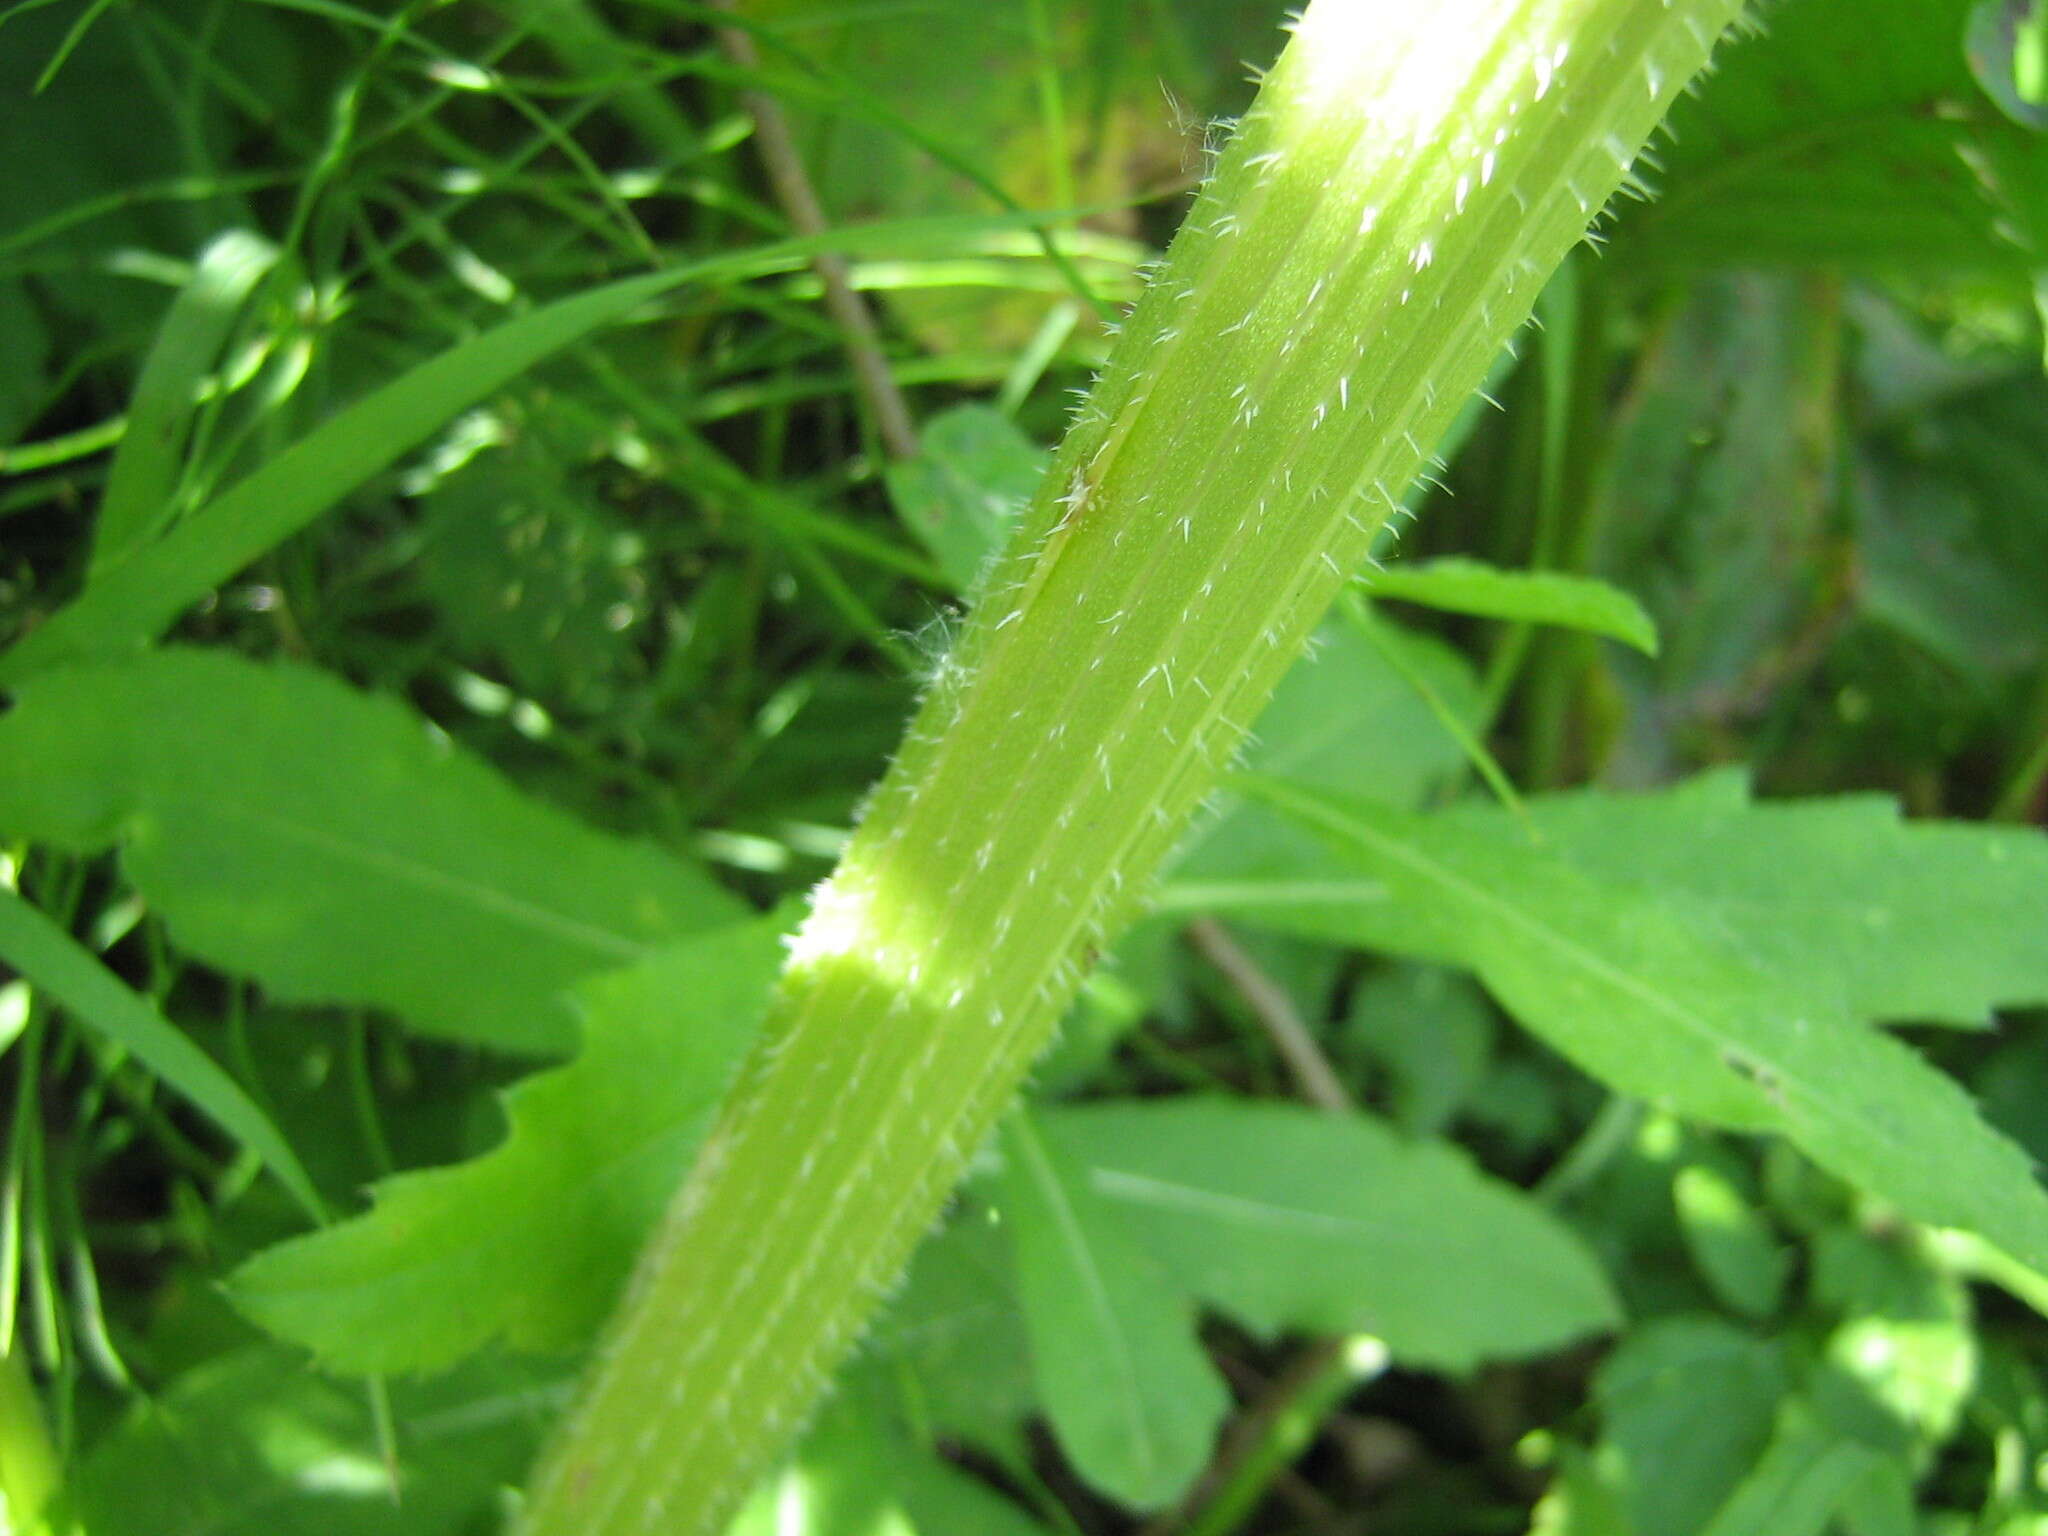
1376, 230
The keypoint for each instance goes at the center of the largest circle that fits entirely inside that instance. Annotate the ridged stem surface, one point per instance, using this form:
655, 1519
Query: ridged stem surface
1375, 231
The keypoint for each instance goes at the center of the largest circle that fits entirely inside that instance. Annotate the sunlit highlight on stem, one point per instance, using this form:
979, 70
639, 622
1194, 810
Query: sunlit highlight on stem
1377, 229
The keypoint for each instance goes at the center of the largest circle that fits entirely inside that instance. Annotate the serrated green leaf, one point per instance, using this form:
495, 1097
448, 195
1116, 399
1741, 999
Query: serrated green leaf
324, 842
50, 959
1936, 922
1287, 1218
1458, 585
1687, 1405
1134, 1401
1920, 921
974, 472
1639, 992
530, 1242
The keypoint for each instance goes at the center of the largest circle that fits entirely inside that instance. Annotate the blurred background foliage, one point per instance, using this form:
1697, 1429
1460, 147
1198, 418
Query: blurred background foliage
677, 592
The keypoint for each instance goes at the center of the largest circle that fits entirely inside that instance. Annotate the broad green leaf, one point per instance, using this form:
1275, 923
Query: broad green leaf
974, 472
1347, 697
530, 1242
956, 1335
1134, 1401
1924, 921
1730, 1240
1881, 1502
137, 502
1290, 1219
1919, 921
49, 958
253, 1444
328, 844
1845, 131
1344, 703
1687, 1405
1579, 1501
1806, 1477
856, 1475
1665, 1008
1458, 585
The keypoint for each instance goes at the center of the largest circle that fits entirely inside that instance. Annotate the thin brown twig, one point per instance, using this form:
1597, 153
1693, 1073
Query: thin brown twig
1318, 1083
1312, 1072
860, 335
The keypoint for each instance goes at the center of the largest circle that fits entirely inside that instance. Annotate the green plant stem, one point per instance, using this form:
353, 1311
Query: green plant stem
1605, 1137
2017, 801
1379, 225
1575, 449
1543, 446
1469, 741
1315, 1384
2022, 792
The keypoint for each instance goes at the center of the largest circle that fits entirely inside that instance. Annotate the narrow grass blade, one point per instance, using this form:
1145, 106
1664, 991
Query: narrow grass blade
131, 600
145, 469
1458, 585
51, 959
